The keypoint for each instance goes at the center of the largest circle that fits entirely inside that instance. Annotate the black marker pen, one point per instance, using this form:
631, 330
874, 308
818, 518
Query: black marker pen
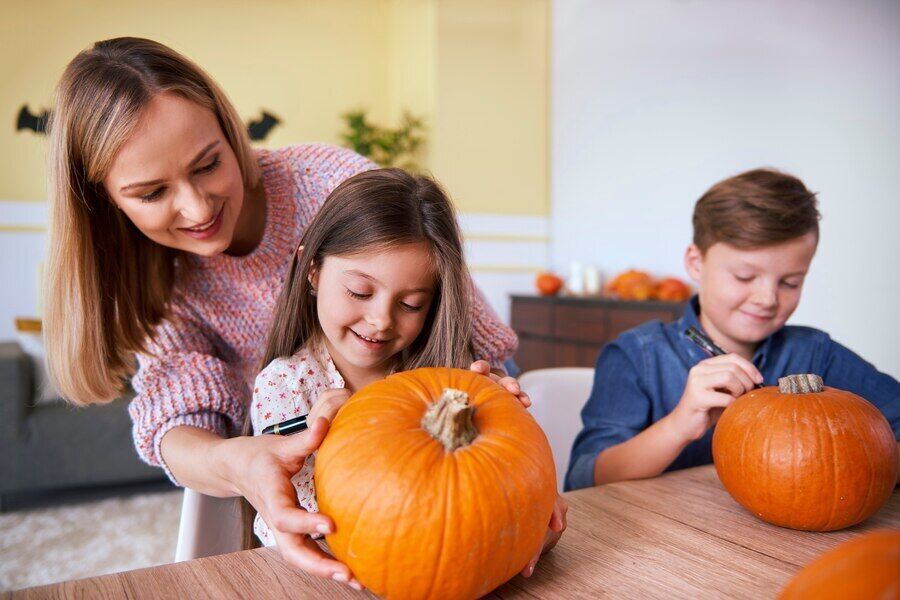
295, 425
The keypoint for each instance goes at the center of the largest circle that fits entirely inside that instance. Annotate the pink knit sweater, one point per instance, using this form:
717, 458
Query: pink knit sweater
200, 367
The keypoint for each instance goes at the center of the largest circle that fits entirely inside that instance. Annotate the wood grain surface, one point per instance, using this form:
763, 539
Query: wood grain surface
675, 536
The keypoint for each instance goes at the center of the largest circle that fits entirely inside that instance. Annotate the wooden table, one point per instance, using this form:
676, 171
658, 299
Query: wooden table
676, 536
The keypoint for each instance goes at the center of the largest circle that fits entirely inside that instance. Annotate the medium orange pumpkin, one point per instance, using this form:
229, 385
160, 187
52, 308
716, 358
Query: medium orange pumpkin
631, 285
440, 484
865, 567
805, 456
671, 289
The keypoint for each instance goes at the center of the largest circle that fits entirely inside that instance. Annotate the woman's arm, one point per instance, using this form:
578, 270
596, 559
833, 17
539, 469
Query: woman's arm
492, 340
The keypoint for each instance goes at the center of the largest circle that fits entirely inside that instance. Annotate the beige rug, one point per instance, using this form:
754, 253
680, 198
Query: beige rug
71, 542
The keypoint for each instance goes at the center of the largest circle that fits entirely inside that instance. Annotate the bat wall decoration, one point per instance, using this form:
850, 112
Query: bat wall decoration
36, 123
258, 129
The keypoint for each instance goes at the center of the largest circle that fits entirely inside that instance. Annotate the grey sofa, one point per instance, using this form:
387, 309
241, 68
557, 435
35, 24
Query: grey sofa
56, 446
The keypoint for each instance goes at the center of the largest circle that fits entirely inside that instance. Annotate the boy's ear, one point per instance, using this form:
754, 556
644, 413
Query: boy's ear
693, 262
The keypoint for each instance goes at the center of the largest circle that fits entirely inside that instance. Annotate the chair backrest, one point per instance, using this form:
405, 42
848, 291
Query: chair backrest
557, 397
209, 526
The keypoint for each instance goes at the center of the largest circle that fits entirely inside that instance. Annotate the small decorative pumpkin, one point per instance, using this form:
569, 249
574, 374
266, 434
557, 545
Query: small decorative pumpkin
864, 567
548, 284
805, 456
440, 484
631, 285
671, 289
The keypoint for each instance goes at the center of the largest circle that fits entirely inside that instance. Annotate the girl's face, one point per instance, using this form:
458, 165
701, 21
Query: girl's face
177, 178
372, 306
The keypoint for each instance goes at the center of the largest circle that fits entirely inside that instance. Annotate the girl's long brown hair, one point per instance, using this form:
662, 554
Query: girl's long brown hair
372, 211
107, 284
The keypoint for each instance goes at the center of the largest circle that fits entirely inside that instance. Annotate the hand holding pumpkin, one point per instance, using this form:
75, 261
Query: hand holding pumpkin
555, 531
712, 385
261, 470
328, 404
510, 384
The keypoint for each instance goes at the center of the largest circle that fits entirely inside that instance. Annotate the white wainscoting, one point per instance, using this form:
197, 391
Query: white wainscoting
504, 252
23, 243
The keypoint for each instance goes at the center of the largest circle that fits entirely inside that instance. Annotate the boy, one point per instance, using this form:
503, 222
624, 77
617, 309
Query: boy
656, 395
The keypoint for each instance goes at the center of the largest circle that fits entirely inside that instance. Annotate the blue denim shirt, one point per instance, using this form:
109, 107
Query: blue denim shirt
641, 375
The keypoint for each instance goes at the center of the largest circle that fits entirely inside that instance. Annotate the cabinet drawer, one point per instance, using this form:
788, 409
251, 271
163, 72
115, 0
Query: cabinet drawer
532, 317
577, 355
535, 354
588, 323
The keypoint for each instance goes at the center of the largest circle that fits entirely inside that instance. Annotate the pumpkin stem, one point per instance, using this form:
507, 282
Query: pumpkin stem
449, 420
800, 384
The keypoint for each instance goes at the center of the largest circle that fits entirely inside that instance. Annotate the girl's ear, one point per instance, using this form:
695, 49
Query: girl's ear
313, 277
693, 262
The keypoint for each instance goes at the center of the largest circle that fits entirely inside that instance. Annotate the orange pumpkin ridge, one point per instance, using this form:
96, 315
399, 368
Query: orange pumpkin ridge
865, 567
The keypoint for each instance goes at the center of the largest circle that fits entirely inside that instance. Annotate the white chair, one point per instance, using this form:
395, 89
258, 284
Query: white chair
557, 397
208, 526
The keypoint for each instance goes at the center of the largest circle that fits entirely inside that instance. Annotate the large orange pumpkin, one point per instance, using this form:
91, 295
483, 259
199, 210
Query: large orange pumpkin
440, 483
805, 456
865, 567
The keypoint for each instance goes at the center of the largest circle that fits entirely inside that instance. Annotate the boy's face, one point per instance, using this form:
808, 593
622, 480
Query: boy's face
747, 295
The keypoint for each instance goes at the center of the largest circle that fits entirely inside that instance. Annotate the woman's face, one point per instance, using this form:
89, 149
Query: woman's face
178, 179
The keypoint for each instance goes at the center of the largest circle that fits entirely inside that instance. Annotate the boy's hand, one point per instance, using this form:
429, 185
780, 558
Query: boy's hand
328, 404
712, 385
510, 383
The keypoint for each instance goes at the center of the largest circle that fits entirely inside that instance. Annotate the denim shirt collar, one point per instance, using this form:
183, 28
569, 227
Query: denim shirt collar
691, 318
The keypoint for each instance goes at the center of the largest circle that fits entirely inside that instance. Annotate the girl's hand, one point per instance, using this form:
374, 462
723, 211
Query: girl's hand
260, 468
712, 385
510, 383
557, 526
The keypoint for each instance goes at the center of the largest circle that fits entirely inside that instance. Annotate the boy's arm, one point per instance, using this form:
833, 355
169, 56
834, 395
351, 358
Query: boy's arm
712, 385
647, 454
617, 410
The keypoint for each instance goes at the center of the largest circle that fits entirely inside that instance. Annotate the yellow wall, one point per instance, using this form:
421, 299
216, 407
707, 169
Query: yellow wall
475, 69
306, 61
490, 141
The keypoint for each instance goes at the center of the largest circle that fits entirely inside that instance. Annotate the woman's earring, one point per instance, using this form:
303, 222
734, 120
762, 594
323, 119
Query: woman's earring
312, 291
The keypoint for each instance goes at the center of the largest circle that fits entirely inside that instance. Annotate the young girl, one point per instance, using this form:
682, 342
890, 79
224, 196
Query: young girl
377, 285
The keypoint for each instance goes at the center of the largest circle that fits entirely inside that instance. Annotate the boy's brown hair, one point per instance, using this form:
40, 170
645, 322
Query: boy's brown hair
757, 208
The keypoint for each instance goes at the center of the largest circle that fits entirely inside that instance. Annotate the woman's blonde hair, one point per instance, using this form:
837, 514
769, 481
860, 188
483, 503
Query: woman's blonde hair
107, 284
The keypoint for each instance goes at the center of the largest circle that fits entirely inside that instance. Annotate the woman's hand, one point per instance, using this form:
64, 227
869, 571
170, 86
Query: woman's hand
328, 404
554, 532
261, 468
510, 383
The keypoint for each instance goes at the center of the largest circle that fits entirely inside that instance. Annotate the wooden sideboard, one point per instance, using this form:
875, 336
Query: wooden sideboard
563, 331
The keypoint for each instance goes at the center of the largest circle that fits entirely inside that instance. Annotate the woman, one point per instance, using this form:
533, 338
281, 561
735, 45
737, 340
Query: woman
169, 240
